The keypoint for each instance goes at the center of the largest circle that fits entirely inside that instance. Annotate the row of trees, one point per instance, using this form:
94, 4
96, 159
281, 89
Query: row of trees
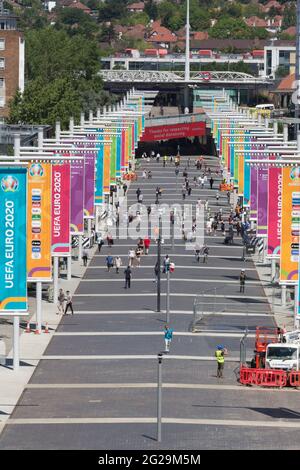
61, 78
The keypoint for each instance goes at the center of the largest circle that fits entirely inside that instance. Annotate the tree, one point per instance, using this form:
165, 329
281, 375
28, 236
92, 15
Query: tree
113, 9
289, 16
228, 27
62, 78
151, 9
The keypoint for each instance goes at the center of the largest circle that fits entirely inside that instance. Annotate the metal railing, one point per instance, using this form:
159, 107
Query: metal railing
149, 76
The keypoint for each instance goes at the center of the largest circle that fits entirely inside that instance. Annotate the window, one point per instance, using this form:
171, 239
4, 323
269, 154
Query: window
284, 57
2, 83
2, 101
2, 44
269, 62
2, 63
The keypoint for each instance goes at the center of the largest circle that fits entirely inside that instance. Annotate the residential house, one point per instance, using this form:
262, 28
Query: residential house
272, 4
256, 22
137, 31
137, 7
161, 37
12, 61
75, 4
291, 31
282, 95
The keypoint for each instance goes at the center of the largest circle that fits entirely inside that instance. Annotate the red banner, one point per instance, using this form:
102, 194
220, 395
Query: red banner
174, 131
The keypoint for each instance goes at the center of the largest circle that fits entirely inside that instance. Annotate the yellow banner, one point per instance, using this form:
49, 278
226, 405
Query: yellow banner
290, 224
39, 222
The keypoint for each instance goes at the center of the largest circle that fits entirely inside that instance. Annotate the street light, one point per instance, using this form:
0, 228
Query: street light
159, 396
157, 231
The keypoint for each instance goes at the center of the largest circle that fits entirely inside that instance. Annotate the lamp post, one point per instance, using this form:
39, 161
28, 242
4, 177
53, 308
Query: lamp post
159, 396
158, 263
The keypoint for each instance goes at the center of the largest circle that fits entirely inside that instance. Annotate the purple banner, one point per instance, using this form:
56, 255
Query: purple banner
262, 202
89, 181
77, 197
253, 191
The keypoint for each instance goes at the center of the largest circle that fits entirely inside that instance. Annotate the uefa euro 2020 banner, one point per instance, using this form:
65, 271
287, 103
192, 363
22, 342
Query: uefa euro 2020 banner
290, 223
13, 274
39, 222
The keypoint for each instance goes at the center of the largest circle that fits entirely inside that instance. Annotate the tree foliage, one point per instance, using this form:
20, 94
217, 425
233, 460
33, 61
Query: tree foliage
62, 78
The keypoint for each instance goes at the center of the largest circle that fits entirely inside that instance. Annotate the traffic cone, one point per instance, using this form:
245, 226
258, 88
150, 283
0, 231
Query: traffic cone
36, 331
28, 330
46, 329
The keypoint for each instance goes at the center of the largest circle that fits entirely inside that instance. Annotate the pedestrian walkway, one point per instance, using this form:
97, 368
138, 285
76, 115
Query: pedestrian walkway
94, 387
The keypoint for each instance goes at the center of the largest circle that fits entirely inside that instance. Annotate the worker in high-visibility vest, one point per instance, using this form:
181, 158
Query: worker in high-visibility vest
220, 353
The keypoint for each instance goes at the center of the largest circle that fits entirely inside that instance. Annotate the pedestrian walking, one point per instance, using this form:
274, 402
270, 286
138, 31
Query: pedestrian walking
205, 254
69, 303
138, 254
217, 197
84, 257
109, 262
188, 162
147, 245
189, 191
156, 271
118, 263
168, 333
242, 281
60, 301
140, 199
166, 264
197, 254
157, 157
100, 242
228, 197
131, 256
127, 273
138, 192
125, 187
220, 357
176, 171
110, 240
222, 227
211, 182
144, 174
165, 160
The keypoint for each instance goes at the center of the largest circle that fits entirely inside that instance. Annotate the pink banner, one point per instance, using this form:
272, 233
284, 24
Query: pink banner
274, 211
60, 195
173, 131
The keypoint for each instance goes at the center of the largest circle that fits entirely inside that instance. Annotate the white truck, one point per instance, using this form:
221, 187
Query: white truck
284, 355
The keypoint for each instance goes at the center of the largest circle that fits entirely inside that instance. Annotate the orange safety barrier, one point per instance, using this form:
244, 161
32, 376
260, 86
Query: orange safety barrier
263, 377
294, 378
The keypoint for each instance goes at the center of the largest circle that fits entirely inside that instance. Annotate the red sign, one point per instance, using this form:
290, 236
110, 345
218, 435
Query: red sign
174, 131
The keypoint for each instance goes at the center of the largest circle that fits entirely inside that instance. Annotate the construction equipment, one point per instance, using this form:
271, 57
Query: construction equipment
276, 361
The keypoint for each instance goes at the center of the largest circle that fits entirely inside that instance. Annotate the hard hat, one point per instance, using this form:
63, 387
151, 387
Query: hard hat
220, 346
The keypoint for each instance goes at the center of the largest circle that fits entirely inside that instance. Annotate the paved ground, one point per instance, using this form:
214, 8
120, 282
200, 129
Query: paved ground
95, 387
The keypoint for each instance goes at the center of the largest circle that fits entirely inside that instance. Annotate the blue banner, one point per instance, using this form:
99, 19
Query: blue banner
13, 269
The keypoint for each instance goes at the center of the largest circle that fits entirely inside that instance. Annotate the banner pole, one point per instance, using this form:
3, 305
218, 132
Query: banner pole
16, 344
55, 278
38, 307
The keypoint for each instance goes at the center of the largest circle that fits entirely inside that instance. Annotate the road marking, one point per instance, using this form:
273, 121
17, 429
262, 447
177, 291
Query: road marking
174, 255
174, 312
153, 333
273, 423
193, 386
174, 294
88, 357
199, 280
206, 267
